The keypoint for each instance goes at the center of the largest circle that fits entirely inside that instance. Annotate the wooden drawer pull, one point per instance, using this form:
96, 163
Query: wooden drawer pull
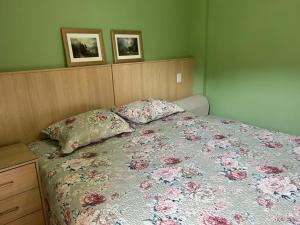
6, 184
9, 211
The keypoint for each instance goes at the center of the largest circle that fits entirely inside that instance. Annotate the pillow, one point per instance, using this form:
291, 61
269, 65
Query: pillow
86, 128
147, 110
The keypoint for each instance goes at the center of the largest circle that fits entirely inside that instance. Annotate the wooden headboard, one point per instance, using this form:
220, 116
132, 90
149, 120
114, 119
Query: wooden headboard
31, 100
157, 79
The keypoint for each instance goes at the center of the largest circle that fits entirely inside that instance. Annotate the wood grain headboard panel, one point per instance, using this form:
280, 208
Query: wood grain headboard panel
30, 101
157, 79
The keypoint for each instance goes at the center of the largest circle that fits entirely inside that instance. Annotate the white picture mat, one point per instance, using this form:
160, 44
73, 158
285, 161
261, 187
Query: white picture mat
88, 59
128, 36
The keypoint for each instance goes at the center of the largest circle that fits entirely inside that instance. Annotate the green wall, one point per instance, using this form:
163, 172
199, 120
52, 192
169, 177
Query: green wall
30, 29
198, 37
247, 52
253, 62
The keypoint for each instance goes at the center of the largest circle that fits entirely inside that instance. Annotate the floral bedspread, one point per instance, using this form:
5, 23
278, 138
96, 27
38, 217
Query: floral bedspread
180, 170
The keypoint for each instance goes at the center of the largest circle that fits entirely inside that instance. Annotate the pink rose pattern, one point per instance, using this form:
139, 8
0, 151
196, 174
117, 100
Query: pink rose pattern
270, 169
147, 110
86, 128
237, 175
214, 220
139, 165
171, 160
92, 199
179, 170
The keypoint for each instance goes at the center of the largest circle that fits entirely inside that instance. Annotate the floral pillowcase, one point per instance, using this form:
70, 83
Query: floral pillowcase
147, 110
86, 128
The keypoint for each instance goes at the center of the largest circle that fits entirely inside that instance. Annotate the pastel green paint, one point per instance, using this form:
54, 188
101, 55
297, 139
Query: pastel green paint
198, 37
253, 62
30, 29
247, 53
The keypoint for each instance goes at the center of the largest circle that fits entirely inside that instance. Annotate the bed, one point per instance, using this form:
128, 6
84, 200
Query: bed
180, 170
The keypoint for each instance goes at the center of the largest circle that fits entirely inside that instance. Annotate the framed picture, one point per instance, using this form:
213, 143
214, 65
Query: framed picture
83, 47
127, 46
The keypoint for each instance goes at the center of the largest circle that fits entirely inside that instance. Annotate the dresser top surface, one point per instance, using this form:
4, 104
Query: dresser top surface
14, 155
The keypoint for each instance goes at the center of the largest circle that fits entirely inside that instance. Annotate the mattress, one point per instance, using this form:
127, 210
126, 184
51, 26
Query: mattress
180, 170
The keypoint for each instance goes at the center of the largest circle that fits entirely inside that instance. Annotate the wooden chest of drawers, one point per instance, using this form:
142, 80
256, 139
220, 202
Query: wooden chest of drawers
20, 193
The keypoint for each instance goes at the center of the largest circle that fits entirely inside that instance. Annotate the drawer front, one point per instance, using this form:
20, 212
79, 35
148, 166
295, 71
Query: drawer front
19, 205
35, 218
17, 180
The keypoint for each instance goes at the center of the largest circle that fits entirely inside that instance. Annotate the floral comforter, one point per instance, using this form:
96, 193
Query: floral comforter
181, 170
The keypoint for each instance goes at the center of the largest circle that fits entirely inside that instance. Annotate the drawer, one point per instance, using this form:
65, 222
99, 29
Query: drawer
35, 218
19, 205
17, 180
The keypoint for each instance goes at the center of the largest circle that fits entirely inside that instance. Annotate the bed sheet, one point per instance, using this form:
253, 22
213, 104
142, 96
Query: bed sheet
180, 170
